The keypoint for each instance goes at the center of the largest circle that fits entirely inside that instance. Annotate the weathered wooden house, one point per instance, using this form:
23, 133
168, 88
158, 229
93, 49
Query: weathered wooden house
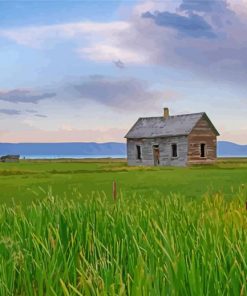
172, 140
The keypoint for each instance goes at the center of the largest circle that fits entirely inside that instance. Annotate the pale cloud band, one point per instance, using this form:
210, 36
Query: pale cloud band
64, 135
10, 112
24, 96
37, 36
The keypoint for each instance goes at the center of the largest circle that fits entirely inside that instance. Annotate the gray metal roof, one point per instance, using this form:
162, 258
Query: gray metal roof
153, 127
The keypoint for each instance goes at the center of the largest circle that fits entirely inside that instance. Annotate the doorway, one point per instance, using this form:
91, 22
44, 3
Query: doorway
156, 153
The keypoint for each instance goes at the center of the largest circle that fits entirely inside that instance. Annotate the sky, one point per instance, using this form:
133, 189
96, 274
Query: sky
85, 71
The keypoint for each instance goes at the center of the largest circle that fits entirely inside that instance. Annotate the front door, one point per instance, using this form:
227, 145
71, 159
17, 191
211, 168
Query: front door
156, 153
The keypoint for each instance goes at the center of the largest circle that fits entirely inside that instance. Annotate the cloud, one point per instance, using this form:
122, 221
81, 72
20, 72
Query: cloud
38, 36
31, 134
203, 6
24, 96
236, 136
119, 64
239, 7
40, 115
205, 37
107, 50
31, 111
192, 25
10, 112
93, 39
125, 94
35, 113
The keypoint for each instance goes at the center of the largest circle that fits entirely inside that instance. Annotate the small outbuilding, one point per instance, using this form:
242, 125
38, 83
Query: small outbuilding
10, 158
178, 140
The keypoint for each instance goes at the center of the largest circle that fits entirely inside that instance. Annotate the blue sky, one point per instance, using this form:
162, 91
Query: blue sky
86, 70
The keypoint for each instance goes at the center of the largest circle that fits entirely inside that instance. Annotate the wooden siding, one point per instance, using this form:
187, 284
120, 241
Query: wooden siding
165, 151
202, 133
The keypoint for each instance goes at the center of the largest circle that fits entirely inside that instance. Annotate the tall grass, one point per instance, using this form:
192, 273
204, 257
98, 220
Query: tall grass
152, 246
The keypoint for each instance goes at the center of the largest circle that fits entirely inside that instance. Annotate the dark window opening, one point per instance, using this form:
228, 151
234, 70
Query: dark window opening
203, 150
174, 150
139, 152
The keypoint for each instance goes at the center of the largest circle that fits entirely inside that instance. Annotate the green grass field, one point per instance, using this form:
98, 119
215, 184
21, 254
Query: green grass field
30, 180
171, 231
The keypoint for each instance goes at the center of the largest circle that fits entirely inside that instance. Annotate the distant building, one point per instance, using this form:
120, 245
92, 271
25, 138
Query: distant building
10, 158
172, 140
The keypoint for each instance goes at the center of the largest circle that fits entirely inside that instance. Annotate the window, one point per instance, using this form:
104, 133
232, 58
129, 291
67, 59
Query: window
203, 150
174, 150
138, 152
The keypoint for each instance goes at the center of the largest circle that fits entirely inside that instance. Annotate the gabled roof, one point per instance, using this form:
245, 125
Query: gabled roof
153, 127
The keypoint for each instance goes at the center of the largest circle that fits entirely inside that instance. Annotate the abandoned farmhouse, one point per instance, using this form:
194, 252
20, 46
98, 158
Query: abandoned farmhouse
172, 140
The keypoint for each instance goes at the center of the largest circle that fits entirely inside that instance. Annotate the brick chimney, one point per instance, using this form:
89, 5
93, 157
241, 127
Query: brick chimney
166, 113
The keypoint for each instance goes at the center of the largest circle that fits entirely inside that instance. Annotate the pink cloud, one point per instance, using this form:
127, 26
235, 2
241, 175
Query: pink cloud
64, 135
239, 137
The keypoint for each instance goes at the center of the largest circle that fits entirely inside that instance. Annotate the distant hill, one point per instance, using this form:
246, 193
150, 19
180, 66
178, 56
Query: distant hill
229, 149
26, 149
225, 149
